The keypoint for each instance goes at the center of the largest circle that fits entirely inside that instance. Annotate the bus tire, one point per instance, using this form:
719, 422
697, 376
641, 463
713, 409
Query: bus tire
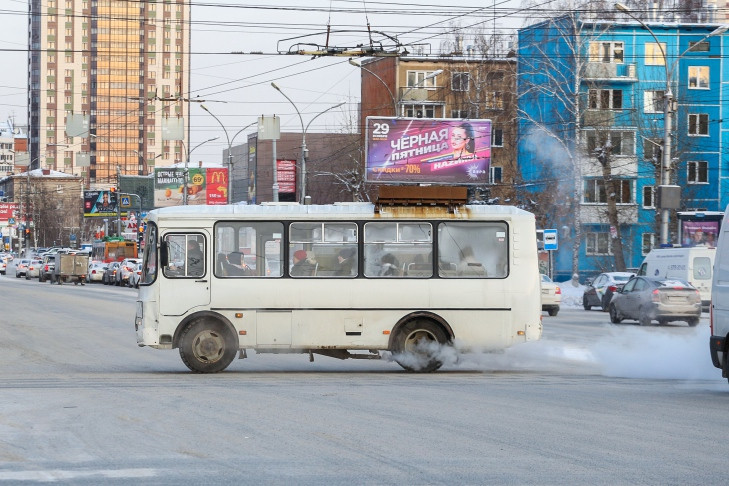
418, 345
207, 346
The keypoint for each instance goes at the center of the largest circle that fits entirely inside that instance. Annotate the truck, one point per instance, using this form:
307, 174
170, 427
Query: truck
70, 267
691, 264
719, 316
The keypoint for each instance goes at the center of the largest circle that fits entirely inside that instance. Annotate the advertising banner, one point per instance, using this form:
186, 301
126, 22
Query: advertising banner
427, 150
100, 203
216, 185
286, 176
204, 186
8, 211
700, 233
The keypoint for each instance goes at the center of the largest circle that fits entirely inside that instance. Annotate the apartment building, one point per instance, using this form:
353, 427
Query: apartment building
121, 65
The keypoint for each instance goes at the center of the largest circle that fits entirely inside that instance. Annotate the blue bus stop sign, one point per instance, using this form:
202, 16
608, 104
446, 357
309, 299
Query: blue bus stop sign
550, 239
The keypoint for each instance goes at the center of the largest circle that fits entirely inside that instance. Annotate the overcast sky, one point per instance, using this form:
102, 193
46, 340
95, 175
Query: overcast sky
237, 87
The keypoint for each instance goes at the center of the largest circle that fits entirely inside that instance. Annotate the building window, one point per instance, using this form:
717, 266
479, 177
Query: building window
497, 137
420, 79
622, 143
420, 111
461, 114
652, 149
494, 100
647, 242
495, 175
702, 46
653, 101
655, 54
698, 124
698, 77
595, 191
598, 244
697, 172
605, 99
648, 197
460, 81
606, 52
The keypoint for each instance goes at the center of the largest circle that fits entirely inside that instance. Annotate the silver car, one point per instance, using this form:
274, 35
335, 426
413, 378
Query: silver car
647, 299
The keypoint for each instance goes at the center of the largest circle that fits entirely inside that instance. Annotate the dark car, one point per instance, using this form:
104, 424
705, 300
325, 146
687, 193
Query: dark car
109, 277
647, 299
47, 269
600, 290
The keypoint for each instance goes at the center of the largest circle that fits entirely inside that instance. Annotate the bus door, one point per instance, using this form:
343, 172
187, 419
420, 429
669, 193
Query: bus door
186, 275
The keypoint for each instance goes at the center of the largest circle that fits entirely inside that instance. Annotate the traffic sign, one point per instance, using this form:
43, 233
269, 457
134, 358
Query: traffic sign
550, 239
126, 201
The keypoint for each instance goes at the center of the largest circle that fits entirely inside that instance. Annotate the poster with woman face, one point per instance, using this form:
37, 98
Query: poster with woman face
424, 150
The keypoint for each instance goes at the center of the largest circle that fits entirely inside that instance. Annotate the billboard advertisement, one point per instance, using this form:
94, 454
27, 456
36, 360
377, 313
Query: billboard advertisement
8, 211
286, 176
100, 203
699, 233
428, 150
204, 186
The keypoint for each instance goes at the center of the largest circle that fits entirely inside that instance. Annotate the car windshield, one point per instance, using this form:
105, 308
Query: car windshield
621, 278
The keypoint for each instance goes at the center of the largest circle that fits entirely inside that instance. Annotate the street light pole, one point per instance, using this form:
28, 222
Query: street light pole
230, 158
304, 151
392, 96
668, 109
187, 162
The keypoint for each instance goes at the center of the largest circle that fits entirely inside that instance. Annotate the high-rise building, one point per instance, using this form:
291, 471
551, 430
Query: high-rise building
120, 64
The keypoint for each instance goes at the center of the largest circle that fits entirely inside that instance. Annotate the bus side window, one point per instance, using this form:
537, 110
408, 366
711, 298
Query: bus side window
472, 250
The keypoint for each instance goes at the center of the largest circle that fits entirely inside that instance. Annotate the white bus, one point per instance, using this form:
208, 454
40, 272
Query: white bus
347, 280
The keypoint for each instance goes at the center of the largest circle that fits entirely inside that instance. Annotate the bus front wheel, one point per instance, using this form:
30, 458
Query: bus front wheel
419, 346
207, 346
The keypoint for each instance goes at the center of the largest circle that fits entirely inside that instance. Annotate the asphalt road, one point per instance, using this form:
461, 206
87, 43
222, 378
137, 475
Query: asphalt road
591, 403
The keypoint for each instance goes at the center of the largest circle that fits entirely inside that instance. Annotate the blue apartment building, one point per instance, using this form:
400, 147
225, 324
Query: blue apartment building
585, 85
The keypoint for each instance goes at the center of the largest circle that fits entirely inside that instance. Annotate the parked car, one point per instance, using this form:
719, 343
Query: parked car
96, 272
599, 292
551, 296
125, 269
34, 268
109, 275
647, 299
136, 276
21, 267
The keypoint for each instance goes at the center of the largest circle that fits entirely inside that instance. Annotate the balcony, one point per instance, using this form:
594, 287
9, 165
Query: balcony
610, 72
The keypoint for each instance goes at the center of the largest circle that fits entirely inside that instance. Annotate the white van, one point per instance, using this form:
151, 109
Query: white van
692, 264
720, 302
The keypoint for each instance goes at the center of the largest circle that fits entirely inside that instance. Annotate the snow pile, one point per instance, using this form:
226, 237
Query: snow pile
571, 295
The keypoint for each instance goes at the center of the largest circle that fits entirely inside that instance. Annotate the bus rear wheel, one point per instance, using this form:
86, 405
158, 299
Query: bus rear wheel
418, 346
207, 346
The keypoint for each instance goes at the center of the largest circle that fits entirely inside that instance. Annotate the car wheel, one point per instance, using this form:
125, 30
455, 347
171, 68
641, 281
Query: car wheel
615, 317
417, 346
553, 311
693, 322
585, 304
207, 346
662, 322
644, 319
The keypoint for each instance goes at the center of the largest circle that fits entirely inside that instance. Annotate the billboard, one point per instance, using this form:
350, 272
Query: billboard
8, 211
204, 186
100, 203
286, 176
428, 150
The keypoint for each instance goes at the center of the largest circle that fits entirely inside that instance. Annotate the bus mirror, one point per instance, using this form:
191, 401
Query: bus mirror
164, 254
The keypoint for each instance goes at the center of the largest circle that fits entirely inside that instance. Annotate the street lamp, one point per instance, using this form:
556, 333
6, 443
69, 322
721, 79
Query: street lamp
187, 161
394, 101
304, 151
230, 149
668, 109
